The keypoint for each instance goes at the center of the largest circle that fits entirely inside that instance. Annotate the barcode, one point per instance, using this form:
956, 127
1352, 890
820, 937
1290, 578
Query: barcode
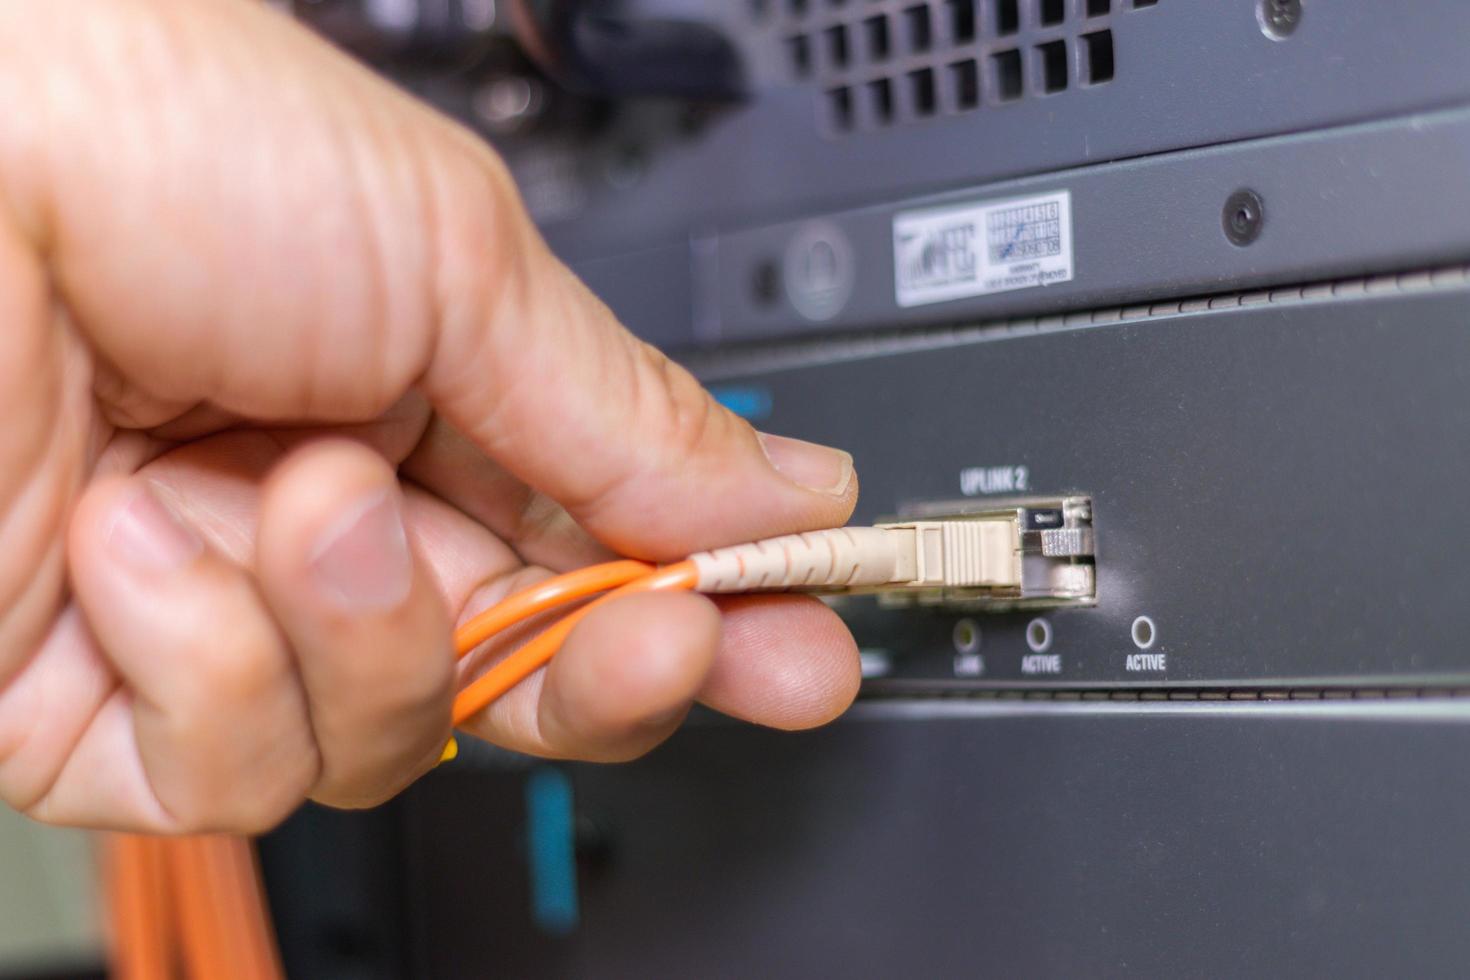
1033, 231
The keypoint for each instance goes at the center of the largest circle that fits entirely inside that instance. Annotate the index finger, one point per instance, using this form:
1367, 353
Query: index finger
238, 215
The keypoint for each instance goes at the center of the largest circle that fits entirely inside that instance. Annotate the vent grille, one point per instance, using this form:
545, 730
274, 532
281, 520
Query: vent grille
877, 63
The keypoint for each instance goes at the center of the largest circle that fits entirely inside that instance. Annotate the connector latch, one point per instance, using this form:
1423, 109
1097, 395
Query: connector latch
1002, 554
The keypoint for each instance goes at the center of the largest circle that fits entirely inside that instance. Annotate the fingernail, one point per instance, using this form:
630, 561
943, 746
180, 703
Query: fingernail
149, 536
361, 562
819, 468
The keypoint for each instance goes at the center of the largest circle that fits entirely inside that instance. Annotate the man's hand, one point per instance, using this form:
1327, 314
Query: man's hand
288, 381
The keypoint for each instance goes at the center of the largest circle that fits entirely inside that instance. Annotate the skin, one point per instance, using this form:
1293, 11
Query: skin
291, 384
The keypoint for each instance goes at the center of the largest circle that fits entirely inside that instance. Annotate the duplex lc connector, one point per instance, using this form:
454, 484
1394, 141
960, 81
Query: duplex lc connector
1029, 553
915, 555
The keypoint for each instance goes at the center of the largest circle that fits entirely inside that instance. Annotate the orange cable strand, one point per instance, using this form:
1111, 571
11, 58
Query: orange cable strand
223, 927
535, 654
255, 909
139, 908
546, 595
198, 925
240, 908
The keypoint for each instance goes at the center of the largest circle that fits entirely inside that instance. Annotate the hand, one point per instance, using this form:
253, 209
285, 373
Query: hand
289, 381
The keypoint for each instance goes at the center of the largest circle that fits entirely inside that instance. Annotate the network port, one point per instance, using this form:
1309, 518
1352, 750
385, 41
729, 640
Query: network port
1020, 553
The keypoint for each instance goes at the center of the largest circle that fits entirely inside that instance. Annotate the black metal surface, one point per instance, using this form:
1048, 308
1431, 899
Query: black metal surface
1376, 197
335, 885
1188, 74
1272, 484
957, 840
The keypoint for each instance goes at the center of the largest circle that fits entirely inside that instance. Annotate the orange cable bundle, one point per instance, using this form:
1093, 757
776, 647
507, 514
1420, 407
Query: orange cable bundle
628, 576
194, 907
188, 907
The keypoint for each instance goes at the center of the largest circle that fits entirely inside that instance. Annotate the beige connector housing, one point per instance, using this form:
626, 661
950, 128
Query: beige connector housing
981, 553
1031, 553
916, 555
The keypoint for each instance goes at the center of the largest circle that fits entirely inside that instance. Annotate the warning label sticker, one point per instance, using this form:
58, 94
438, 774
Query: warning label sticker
972, 249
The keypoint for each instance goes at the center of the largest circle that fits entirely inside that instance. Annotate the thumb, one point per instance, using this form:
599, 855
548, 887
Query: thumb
350, 244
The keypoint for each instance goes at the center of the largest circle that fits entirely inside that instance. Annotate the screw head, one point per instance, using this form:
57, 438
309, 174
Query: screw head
1243, 217
1279, 18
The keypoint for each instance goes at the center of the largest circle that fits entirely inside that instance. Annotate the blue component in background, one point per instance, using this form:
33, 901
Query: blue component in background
748, 402
551, 846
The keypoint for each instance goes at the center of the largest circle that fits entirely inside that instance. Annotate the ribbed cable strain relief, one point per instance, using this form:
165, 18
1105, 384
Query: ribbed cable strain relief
838, 558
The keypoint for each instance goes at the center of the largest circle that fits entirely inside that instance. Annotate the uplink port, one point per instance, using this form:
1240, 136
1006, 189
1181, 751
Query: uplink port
1036, 552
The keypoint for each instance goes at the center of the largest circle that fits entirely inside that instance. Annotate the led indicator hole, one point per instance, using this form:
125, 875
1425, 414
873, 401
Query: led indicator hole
1038, 635
966, 636
1144, 633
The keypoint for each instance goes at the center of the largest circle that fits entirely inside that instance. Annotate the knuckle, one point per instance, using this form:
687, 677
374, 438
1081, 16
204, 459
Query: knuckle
283, 788
541, 520
261, 813
369, 781
248, 800
412, 681
226, 674
422, 695
674, 405
480, 249
245, 815
222, 673
477, 230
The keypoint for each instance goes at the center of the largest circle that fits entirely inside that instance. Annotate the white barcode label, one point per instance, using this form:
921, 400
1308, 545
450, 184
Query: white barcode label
973, 249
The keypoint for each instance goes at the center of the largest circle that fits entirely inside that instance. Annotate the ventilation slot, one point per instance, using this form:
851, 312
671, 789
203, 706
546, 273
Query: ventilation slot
839, 109
965, 76
837, 46
1052, 58
1098, 48
876, 29
873, 64
920, 28
961, 21
799, 51
880, 100
1007, 16
921, 90
1007, 75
